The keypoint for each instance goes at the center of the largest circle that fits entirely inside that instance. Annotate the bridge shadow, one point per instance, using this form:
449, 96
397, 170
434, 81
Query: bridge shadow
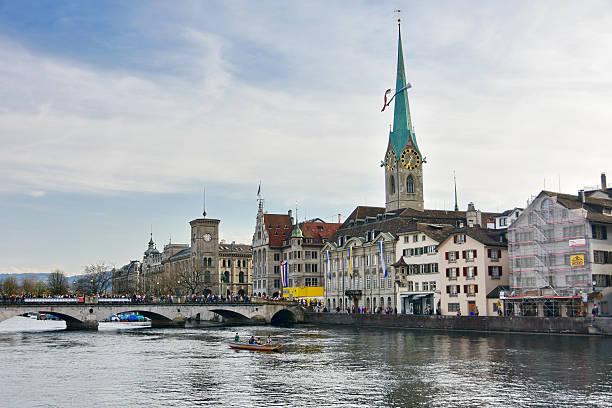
231, 316
283, 318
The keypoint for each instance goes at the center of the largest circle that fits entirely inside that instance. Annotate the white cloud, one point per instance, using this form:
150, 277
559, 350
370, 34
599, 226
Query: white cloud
36, 193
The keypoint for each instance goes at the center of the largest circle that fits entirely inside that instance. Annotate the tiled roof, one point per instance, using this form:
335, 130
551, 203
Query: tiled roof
485, 236
593, 206
237, 247
319, 230
180, 254
279, 228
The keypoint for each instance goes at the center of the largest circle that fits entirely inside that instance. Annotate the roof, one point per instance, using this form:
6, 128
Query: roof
593, 206
437, 232
494, 294
319, 230
279, 228
488, 237
508, 212
400, 262
180, 254
235, 247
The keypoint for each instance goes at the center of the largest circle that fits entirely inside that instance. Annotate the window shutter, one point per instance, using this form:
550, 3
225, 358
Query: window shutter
490, 270
499, 251
465, 271
447, 272
465, 289
446, 255
447, 286
489, 252
475, 288
456, 254
463, 254
475, 252
500, 270
475, 271
455, 239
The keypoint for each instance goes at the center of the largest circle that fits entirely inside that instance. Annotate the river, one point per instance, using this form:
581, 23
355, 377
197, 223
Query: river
127, 365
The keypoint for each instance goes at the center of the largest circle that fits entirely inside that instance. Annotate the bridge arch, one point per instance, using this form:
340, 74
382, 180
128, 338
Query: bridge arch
230, 315
283, 317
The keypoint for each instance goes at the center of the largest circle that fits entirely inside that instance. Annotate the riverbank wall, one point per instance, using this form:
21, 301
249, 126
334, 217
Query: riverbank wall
549, 325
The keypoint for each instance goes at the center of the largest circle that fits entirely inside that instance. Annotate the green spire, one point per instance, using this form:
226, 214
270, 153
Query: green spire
297, 232
402, 123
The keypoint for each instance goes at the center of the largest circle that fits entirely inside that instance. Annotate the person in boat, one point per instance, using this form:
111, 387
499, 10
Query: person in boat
269, 340
236, 338
252, 340
259, 341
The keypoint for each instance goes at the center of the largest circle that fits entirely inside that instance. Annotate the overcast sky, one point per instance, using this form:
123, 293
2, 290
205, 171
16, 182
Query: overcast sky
114, 115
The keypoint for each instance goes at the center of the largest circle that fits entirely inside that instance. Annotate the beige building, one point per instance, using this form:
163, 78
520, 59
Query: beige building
235, 268
474, 263
418, 268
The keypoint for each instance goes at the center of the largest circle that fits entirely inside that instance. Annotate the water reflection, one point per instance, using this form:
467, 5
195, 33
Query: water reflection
122, 365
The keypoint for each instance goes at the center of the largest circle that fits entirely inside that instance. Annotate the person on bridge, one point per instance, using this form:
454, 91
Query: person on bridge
236, 338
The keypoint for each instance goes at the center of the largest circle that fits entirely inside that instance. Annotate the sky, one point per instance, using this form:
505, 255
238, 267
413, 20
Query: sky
115, 115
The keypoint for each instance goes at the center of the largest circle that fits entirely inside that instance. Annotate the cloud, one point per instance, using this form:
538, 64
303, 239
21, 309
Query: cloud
36, 193
18, 270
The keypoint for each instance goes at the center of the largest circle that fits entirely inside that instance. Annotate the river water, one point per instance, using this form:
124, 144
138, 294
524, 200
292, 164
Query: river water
127, 365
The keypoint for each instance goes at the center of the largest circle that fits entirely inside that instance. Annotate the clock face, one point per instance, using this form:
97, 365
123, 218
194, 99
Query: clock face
390, 160
410, 159
207, 237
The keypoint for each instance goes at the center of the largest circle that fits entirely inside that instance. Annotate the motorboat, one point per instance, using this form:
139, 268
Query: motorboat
256, 347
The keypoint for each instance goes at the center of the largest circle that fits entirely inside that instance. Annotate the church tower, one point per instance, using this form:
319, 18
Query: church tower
205, 251
403, 160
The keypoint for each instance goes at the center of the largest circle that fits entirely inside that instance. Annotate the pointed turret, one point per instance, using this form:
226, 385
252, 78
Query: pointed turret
402, 123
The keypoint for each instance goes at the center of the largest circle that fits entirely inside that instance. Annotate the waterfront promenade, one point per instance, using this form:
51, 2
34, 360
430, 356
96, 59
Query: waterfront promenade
507, 324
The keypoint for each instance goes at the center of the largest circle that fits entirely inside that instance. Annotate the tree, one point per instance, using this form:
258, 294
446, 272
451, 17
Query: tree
34, 287
57, 283
10, 286
190, 280
97, 279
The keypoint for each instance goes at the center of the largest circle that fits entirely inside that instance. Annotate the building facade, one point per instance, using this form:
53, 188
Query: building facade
235, 268
474, 263
561, 254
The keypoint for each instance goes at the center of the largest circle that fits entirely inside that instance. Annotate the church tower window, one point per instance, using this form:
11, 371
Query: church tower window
410, 184
392, 182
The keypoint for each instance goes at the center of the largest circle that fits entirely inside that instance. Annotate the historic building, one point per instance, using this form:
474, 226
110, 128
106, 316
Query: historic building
150, 267
418, 268
235, 268
278, 243
126, 280
561, 254
474, 269
388, 257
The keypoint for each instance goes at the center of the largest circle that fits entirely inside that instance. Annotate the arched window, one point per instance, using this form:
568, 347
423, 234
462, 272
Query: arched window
410, 184
392, 184
226, 277
241, 277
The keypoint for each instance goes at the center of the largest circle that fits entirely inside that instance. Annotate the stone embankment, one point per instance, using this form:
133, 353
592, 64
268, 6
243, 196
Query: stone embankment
550, 325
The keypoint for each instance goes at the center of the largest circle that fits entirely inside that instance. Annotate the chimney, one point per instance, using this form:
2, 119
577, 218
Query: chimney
581, 196
604, 186
339, 218
290, 214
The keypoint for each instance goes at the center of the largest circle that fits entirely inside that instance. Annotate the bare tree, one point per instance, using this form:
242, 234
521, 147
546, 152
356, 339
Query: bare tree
10, 286
190, 280
97, 279
57, 283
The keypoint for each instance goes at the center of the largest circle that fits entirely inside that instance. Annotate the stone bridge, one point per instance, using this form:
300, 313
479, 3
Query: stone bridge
79, 316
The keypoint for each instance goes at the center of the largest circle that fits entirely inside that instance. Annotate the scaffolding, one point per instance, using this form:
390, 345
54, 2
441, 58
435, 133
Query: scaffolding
549, 261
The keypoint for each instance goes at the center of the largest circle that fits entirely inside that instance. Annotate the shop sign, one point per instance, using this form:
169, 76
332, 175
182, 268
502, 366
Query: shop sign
577, 260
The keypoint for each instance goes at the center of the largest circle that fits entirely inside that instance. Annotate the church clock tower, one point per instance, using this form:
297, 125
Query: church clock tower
403, 161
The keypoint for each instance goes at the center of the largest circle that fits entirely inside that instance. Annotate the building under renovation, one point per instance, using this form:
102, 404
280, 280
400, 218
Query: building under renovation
561, 255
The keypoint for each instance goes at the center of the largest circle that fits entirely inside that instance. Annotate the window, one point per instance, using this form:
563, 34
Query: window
315, 255
416, 286
452, 256
410, 286
410, 185
470, 290
241, 277
415, 238
453, 307
432, 286
431, 249
389, 283
392, 184
452, 290
452, 273
367, 282
425, 286
494, 254
469, 255
406, 239
495, 272
503, 221
469, 272
459, 238
602, 257
600, 232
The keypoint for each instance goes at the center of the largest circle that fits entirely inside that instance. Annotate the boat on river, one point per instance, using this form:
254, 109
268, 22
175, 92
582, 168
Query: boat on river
256, 347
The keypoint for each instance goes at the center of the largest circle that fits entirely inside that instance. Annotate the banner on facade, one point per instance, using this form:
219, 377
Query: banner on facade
382, 257
577, 242
350, 262
328, 265
577, 260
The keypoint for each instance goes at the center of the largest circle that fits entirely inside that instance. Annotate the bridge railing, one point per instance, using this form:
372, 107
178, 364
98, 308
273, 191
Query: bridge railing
130, 301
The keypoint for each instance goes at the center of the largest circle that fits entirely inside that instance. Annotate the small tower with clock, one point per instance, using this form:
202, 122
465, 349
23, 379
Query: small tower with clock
205, 251
403, 161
